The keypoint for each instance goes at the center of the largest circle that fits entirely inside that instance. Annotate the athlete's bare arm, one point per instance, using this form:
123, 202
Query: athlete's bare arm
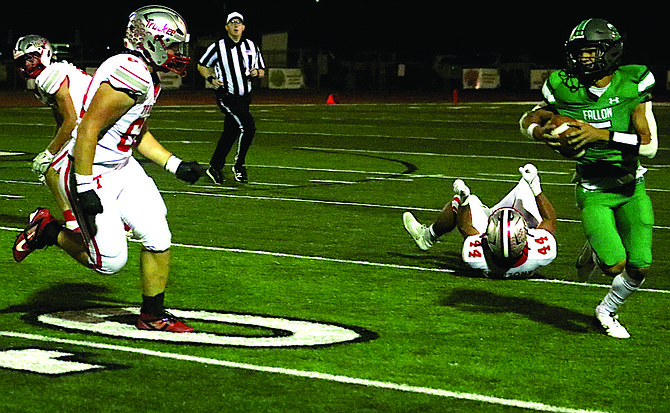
107, 106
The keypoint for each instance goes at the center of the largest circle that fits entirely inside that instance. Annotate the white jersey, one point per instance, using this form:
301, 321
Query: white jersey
51, 79
540, 251
128, 195
130, 74
49, 82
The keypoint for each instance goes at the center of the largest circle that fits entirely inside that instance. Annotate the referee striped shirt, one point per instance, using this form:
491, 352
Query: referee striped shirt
232, 63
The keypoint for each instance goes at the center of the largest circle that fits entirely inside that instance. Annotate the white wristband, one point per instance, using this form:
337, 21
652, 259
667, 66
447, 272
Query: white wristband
84, 182
172, 164
535, 187
625, 138
531, 128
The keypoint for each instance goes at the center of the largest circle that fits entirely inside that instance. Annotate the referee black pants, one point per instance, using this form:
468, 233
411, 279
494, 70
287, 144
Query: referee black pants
239, 126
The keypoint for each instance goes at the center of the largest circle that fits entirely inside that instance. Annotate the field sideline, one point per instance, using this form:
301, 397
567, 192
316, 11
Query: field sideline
314, 245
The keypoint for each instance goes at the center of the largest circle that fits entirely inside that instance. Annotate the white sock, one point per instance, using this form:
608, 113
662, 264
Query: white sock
455, 203
70, 220
622, 288
431, 234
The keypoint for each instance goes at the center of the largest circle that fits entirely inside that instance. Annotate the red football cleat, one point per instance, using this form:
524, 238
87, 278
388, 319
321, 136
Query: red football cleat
32, 238
167, 323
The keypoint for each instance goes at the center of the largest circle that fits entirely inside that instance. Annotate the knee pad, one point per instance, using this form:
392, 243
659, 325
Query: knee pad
157, 238
111, 264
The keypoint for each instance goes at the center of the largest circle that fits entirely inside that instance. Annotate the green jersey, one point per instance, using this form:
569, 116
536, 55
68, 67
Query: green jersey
611, 109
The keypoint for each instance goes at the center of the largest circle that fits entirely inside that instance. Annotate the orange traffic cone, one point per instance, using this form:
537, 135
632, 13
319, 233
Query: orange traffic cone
332, 100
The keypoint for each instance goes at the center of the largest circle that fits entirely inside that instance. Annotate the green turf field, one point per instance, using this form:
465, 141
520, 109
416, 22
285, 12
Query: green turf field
307, 293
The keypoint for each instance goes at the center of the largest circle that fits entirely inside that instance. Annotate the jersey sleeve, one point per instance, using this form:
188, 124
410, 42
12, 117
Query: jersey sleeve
128, 74
51, 78
473, 253
549, 92
259, 57
209, 57
542, 246
645, 83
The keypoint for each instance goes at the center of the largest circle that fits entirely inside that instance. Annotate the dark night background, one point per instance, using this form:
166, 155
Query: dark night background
412, 31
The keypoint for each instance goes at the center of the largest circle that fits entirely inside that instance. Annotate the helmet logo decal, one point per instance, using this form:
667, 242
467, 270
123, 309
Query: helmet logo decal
151, 25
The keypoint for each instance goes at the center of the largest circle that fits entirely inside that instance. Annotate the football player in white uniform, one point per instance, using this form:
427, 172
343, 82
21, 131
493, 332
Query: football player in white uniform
106, 186
510, 240
61, 86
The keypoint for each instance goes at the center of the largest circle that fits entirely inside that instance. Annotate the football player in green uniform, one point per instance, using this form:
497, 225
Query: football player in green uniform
612, 107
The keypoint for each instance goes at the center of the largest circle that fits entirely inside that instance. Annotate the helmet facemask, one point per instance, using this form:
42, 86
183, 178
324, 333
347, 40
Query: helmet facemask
177, 58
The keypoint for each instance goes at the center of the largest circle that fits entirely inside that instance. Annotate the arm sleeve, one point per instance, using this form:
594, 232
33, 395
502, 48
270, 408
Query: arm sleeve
209, 57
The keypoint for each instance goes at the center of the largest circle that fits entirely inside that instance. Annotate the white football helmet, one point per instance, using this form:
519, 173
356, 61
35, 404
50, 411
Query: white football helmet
159, 34
32, 54
506, 233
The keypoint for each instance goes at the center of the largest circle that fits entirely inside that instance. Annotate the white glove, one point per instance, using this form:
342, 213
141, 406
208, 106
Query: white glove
462, 190
529, 174
42, 161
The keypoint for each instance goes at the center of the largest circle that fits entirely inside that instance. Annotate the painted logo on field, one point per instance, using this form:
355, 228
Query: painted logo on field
48, 361
212, 328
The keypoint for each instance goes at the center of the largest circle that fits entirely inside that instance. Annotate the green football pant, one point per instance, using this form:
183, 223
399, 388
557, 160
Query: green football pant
618, 223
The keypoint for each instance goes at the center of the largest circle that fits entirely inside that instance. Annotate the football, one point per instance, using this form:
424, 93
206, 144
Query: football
562, 131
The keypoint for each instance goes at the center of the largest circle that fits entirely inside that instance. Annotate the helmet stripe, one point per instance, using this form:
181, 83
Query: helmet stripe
505, 236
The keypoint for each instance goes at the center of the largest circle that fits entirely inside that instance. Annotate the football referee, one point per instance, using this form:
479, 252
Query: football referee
229, 65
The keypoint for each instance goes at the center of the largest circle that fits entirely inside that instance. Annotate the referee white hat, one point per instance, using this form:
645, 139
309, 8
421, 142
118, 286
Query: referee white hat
234, 15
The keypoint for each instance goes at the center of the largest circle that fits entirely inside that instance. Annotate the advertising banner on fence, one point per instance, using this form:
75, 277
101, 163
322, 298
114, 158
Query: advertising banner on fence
481, 79
285, 78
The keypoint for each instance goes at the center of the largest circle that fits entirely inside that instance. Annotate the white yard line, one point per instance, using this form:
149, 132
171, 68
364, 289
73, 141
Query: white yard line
305, 374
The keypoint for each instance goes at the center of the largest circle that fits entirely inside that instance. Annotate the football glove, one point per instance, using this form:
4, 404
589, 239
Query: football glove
189, 172
186, 171
42, 161
87, 198
529, 174
89, 202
